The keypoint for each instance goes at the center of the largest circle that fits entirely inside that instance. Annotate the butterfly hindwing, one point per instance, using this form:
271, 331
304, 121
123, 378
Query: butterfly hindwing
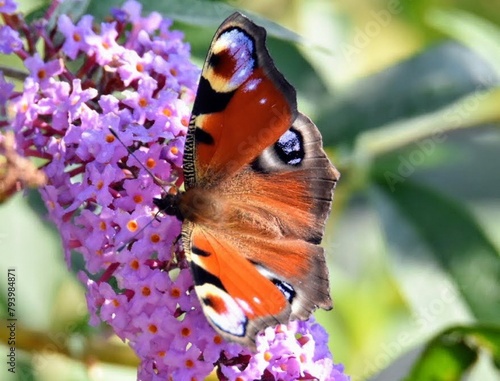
235, 305
258, 191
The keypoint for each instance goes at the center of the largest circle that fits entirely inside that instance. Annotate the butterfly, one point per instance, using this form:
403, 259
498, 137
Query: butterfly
258, 189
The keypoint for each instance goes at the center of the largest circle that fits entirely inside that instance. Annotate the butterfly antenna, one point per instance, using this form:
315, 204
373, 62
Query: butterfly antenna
123, 246
156, 179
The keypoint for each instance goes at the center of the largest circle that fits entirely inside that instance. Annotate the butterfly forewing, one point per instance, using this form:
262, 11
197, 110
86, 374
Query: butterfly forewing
258, 191
243, 104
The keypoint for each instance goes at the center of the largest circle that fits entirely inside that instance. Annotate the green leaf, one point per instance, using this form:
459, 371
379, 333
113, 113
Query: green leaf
415, 87
455, 240
75, 9
477, 33
444, 360
30, 245
37, 13
201, 13
453, 352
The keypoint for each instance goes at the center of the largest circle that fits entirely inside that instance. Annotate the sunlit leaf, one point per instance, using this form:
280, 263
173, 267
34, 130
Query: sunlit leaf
477, 33
418, 86
455, 241
452, 353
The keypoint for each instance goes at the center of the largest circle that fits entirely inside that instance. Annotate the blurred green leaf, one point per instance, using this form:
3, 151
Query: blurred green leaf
297, 70
29, 244
456, 241
452, 353
195, 12
72, 8
418, 86
428, 131
477, 33
37, 13
445, 360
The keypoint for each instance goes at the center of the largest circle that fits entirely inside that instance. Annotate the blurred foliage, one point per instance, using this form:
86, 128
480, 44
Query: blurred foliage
406, 94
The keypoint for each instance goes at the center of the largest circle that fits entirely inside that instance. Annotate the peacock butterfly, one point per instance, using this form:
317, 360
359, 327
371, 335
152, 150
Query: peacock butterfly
258, 189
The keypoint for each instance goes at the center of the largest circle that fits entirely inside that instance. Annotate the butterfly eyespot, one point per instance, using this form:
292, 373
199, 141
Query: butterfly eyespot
290, 147
286, 289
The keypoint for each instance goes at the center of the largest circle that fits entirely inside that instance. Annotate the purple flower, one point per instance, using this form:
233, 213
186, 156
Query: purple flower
133, 76
104, 46
75, 35
5, 90
42, 71
8, 6
9, 40
65, 103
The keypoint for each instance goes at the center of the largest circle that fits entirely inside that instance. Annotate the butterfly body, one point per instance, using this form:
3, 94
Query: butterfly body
258, 189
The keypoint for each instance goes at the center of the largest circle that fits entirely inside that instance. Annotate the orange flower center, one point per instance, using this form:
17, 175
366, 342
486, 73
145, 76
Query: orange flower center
132, 226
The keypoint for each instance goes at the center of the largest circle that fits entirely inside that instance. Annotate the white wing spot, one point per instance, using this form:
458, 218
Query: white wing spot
252, 84
244, 305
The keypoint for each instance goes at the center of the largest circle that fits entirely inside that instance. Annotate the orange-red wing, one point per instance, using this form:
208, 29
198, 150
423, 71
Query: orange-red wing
243, 104
236, 297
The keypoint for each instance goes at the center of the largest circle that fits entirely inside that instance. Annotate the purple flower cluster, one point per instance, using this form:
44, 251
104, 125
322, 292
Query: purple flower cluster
132, 75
